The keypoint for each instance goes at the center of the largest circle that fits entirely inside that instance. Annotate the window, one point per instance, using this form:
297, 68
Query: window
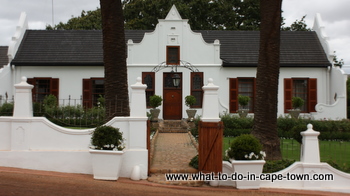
196, 88
173, 55
241, 86
305, 88
148, 78
43, 87
93, 88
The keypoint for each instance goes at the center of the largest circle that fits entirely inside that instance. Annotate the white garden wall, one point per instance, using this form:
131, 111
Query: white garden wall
35, 143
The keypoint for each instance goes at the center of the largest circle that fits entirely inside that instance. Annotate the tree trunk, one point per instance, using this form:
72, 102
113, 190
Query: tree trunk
114, 58
265, 112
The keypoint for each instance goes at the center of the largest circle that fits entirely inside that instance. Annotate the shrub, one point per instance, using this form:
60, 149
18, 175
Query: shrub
278, 165
190, 100
6, 109
194, 162
296, 132
243, 100
297, 102
107, 138
50, 101
243, 145
155, 101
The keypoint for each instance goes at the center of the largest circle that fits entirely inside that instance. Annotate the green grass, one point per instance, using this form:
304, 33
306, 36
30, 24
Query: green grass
338, 152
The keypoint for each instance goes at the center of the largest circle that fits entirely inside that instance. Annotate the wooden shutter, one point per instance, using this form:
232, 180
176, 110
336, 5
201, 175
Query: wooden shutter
196, 88
54, 87
312, 88
87, 100
288, 92
32, 82
233, 95
149, 79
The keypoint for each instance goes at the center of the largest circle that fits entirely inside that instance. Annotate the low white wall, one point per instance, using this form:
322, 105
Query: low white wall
36, 143
309, 165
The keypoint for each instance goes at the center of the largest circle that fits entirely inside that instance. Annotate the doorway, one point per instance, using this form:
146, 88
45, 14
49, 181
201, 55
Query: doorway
172, 97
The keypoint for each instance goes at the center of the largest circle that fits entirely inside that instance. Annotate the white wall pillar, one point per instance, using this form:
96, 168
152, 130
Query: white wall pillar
310, 147
23, 107
210, 102
138, 99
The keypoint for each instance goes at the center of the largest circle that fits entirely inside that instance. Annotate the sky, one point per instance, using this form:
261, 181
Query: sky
335, 15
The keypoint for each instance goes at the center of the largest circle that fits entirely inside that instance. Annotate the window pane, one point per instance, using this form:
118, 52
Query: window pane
300, 90
246, 88
173, 55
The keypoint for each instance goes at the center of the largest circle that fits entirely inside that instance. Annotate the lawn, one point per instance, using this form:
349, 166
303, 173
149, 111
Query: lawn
337, 151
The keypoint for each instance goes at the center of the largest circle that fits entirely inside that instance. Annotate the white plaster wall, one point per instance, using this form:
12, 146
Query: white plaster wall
6, 83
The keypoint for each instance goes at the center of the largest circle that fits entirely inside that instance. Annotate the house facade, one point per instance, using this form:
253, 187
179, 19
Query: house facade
69, 64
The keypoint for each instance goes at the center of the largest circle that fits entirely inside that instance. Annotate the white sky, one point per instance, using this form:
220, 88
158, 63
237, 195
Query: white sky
335, 15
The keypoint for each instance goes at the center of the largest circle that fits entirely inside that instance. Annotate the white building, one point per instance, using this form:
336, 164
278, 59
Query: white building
69, 64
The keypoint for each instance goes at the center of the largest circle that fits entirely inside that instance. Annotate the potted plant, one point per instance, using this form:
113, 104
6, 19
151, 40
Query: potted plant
155, 101
190, 100
297, 103
246, 156
106, 152
243, 102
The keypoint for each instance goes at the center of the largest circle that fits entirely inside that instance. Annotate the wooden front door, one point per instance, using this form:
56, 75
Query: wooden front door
172, 98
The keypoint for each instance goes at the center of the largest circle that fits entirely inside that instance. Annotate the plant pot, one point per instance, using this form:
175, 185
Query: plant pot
191, 113
243, 112
245, 168
155, 114
294, 113
106, 164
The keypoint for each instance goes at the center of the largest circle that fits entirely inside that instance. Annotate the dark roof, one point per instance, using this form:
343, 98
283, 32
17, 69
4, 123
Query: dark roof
238, 48
4, 60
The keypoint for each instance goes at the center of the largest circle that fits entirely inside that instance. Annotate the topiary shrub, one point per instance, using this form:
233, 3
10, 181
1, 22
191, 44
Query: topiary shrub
190, 100
245, 147
107, 138
297, 102
155, 101
243, 100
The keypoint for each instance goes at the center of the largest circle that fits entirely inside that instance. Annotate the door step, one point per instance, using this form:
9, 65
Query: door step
173, 126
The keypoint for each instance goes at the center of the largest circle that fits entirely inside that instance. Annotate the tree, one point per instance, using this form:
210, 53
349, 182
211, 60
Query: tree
202, 14
114, 58
339, 63
265, 111
298, 25
88, 20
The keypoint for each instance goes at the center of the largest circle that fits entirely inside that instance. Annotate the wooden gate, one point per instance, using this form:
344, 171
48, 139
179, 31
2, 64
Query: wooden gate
210, 146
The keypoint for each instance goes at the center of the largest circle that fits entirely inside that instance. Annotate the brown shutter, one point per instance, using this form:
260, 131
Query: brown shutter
233, 95
312, 94
288, 90
54, 87
149, 79
32, 82
87, 100
196, 90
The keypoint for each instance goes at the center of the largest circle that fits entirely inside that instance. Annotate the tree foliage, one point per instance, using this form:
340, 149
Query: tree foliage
298, 25
88, 20
202, 15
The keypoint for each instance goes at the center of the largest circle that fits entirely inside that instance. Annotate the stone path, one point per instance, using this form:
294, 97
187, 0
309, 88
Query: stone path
172, 154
